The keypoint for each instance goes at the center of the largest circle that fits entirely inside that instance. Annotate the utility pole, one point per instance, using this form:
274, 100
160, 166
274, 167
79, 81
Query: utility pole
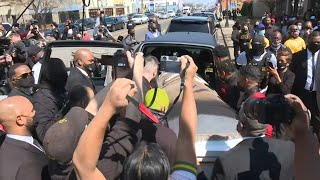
227, 14
166, 6
141, 6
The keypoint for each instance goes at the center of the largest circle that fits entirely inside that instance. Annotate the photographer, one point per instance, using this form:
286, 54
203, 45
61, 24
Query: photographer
104, 34
17, 49
55, 30
34, 35
282, 78
256, 157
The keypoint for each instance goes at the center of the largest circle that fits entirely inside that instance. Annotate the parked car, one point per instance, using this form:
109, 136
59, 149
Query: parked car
130, 15
88, 23
192, 24
171, 13
163, 15
124, 18
114, 23
140, 19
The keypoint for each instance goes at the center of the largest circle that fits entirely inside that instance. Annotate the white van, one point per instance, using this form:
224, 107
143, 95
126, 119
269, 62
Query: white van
186, 10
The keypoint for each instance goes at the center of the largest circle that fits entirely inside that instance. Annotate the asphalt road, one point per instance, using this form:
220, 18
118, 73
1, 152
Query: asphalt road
141, 30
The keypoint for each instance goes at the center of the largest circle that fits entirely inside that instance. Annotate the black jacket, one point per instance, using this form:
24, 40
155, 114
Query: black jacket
20, 160
47, 103
230, 92
76, 77
257, 158
285, 86
17, 92
131, 24
299, 66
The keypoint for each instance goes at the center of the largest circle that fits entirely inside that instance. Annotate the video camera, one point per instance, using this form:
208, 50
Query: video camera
4, 44
272, 110
170, 64
119, 59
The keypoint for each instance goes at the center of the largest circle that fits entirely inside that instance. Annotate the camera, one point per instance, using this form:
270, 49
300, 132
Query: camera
170, 64
272, 110
118, 59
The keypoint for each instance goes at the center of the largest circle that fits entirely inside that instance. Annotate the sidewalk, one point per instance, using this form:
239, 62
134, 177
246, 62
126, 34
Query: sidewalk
227, 33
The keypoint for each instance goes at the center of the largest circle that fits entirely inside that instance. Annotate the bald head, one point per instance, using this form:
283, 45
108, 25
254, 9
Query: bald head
16, 115
83, 57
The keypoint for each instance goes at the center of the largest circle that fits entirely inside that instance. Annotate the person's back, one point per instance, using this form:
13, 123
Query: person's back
257, 158
51, 96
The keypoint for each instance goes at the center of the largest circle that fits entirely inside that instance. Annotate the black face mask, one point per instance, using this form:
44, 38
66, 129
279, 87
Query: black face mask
90, 68
313, 47
258, 50
27, 82
282, 66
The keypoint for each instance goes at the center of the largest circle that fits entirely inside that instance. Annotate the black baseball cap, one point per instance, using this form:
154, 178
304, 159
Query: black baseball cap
62, 138
33, 50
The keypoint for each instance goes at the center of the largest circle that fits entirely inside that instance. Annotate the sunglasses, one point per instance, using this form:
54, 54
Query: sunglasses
25, 75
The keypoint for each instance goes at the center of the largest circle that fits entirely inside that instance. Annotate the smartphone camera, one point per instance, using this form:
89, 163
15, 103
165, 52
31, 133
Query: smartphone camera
170, 64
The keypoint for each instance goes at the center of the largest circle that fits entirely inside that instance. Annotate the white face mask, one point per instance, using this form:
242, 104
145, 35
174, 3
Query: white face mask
299, 27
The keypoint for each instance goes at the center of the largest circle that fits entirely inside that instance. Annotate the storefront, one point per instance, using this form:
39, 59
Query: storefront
119, 11
93, 13
108, 11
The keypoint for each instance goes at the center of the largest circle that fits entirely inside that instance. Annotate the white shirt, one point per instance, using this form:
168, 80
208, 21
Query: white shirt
27, 139
242, 59
309, 74
83, 71
36, 72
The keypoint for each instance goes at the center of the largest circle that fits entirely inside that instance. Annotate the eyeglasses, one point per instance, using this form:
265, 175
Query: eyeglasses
25, 75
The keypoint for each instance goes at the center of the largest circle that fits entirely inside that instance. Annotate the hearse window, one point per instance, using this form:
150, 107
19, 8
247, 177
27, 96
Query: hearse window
202, 57
190, 26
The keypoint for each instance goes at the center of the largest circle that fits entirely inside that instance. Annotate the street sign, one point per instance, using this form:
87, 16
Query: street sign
151, 4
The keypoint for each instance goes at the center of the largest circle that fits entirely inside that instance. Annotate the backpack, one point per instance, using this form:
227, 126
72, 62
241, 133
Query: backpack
262, 66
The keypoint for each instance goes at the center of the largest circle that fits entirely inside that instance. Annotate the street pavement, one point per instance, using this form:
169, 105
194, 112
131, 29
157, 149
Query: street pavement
140, 30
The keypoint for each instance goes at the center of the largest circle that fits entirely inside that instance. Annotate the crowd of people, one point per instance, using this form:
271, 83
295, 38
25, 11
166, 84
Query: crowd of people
57, 125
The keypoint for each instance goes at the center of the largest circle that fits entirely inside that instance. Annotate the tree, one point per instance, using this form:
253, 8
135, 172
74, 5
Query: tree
271, 4
39, 7
246, 9
4, 3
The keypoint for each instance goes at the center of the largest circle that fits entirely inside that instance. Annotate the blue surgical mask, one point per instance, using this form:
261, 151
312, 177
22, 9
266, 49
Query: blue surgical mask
262, 32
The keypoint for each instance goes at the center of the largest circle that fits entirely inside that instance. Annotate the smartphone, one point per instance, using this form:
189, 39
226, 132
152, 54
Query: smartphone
270, 65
